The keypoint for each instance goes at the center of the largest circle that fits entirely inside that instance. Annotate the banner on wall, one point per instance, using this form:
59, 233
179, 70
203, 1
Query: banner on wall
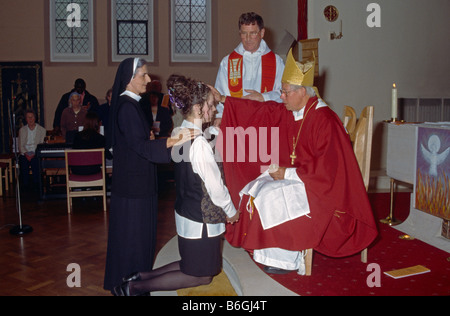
432, 187
21, 88
302, 20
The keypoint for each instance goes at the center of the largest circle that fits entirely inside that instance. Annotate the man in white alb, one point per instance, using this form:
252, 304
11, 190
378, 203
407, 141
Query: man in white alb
252, 70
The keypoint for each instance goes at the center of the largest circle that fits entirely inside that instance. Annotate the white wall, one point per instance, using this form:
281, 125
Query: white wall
411, 48
280, 18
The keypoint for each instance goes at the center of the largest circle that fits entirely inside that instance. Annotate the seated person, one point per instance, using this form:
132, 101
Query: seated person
89, 138
30, 136
72, 117
314, 151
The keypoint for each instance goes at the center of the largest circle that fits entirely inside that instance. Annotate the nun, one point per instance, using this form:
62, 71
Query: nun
203, 204
134, 199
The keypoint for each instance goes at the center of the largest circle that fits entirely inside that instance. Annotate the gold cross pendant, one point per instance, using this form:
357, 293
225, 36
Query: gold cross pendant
293, 157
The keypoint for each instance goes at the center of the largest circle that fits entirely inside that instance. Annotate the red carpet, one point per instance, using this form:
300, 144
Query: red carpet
348, 276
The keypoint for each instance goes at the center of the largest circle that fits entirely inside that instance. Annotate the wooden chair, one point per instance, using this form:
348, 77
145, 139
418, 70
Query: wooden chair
362, 147
350, 120
84, 158
8, 159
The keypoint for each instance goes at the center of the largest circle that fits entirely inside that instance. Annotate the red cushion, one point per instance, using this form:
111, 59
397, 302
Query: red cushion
84, 158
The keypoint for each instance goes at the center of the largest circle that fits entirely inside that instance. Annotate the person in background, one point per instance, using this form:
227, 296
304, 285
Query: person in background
30, 136
88, 101
158, 116
72, 118
103, 110
90, 138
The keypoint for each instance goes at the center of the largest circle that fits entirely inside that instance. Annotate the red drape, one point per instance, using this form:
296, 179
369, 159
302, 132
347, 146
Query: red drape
341, 222
302, 19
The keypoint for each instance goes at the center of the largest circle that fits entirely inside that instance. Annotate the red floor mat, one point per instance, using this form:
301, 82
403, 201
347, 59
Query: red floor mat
350, 277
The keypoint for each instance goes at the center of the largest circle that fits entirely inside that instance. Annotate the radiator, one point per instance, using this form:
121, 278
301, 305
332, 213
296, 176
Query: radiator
424, 110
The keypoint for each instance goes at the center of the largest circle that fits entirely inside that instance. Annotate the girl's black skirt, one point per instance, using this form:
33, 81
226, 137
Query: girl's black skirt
201, 257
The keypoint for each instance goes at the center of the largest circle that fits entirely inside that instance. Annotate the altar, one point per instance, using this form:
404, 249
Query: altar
419, 154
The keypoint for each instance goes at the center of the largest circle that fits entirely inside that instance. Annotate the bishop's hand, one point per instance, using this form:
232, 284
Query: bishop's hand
279, 174
254, 95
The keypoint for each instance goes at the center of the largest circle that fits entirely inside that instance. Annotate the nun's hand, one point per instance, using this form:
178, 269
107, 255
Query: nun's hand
181, 136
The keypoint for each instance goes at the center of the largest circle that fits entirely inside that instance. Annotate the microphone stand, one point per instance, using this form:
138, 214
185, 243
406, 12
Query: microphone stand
20, 229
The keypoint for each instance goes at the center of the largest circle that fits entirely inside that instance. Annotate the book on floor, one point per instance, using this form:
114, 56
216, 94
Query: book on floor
406, 272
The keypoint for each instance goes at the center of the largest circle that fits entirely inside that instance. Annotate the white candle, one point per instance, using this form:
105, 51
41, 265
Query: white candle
394, 102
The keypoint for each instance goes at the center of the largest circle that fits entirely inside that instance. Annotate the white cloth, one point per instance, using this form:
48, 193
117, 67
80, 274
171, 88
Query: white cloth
277, 201
31, 145
277, 257
281, 259
252, 74
298, 115
132, 95
203, 163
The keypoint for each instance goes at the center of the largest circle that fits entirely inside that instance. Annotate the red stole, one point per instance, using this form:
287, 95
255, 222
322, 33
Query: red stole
235, 73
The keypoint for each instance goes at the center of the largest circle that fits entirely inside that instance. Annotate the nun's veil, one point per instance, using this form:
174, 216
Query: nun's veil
125, 73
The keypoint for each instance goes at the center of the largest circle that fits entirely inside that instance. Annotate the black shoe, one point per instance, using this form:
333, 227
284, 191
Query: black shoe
122, 290
132, 277
273, 270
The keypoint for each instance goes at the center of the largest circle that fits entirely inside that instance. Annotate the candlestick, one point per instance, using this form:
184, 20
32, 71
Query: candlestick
394, 102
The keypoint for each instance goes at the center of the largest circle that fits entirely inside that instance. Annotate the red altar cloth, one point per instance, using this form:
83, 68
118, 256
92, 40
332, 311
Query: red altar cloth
341, 222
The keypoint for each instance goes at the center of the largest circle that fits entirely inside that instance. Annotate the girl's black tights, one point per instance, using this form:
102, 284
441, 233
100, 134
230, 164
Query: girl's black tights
166, 278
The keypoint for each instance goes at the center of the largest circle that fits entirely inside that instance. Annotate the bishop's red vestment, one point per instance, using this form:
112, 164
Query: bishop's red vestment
341, 222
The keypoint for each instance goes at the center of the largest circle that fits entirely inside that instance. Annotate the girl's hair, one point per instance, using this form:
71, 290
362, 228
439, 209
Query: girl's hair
185, 93
91, 122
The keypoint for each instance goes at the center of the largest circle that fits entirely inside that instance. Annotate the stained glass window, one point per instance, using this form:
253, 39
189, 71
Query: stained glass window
191, 30
132, 29
71, 30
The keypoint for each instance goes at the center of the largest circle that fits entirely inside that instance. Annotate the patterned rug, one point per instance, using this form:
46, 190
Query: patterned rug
220, 286
350, 277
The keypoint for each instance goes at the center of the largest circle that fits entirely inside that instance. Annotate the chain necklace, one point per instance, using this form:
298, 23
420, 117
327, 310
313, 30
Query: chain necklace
293, 156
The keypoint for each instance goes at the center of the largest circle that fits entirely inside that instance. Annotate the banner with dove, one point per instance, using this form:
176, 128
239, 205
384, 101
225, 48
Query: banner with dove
432, 187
